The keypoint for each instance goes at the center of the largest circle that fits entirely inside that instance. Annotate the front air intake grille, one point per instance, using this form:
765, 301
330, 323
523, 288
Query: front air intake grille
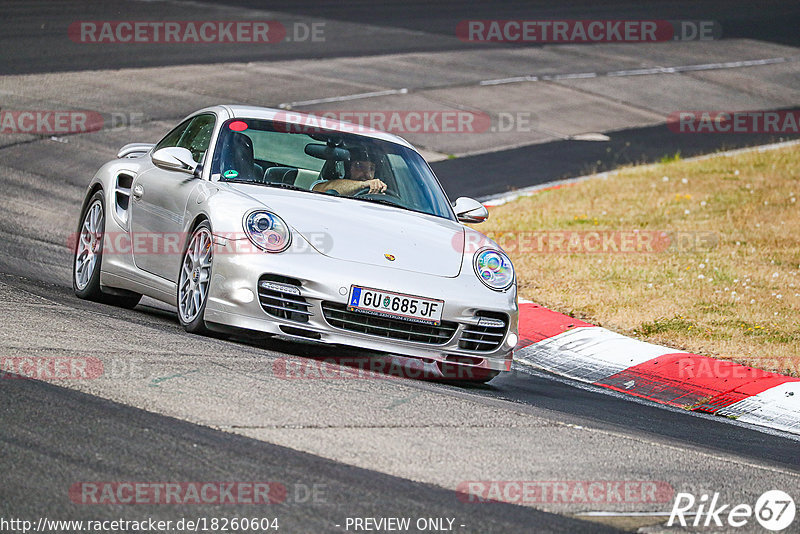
280, 297
300, 332
487, 335
339, 316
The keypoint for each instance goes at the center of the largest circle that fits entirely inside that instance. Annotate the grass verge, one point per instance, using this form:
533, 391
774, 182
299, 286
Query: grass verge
702, 256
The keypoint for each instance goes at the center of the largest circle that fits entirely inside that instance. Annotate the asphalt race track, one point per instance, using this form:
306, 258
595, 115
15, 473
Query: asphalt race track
319, 493
171, 407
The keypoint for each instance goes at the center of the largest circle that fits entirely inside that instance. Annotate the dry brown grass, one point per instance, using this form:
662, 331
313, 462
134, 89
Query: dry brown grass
737, 299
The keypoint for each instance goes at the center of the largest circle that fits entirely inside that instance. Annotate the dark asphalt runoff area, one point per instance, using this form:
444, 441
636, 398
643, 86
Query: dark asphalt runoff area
32, 33
505, 170
53, 438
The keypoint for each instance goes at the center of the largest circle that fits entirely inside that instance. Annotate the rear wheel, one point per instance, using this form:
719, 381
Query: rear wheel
194, 281
88, 258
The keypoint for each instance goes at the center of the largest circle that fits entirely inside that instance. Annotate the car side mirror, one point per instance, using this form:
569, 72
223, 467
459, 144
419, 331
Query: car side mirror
174, 158
469, 210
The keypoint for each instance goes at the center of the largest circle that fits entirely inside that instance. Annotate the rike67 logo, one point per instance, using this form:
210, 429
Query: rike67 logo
774, 510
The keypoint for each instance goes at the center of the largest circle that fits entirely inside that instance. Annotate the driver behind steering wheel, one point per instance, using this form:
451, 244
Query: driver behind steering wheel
359, 174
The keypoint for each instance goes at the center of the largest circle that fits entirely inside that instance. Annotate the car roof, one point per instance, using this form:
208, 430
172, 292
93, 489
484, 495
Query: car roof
307, 121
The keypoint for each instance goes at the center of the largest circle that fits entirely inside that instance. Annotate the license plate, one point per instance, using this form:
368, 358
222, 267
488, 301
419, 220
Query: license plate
395, 305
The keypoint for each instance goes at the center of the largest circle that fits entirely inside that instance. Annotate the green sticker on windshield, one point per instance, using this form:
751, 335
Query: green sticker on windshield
230, 174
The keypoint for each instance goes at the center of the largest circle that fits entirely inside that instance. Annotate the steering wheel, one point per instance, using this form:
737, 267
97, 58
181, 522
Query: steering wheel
364, 192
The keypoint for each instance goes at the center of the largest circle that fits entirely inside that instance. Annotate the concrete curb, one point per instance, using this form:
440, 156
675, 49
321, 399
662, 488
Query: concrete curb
568, 347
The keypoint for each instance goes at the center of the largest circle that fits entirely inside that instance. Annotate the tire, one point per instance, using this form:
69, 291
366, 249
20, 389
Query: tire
194, 279
88, 258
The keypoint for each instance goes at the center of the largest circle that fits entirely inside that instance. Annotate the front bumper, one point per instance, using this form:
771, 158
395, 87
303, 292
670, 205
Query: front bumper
234, 301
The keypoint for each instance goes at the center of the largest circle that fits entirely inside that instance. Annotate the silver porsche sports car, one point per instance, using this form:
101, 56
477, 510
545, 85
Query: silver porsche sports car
302, 228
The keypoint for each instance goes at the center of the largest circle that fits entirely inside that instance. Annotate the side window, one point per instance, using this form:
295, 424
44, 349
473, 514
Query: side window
172, 138
193, 134
198, 136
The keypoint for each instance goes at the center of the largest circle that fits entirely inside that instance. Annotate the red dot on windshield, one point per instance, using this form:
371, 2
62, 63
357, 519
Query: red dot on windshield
238, 126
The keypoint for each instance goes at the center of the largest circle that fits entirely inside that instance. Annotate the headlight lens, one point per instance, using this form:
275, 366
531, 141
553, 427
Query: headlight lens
267, 231
494, 268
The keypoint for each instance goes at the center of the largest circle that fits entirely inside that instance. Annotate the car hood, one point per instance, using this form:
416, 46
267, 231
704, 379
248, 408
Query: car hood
366, 232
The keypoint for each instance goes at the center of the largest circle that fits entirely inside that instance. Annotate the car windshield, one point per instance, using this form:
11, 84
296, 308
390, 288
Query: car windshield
276, 154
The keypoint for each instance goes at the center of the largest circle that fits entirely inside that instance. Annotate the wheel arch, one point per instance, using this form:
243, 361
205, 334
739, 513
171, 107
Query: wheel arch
200, 217
94, 188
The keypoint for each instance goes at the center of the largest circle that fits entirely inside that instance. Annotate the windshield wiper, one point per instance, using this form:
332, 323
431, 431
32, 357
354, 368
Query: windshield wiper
267, 184
284, 186
382, 201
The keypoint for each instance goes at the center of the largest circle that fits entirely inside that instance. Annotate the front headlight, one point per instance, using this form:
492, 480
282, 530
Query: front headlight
267, 231
494, 268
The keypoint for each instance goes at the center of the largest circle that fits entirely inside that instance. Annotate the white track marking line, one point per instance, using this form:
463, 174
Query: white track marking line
343, 98
558, 77
641, 72
702, 66
513, 79
570, 76
629, 514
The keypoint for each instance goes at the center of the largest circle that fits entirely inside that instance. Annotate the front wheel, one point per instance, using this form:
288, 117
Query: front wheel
88, 258
194, 281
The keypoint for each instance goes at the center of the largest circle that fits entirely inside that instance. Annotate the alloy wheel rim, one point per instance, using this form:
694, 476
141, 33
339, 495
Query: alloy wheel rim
89, 245
195, 275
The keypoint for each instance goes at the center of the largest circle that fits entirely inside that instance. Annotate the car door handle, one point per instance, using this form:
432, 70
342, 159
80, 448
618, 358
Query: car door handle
138, 191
